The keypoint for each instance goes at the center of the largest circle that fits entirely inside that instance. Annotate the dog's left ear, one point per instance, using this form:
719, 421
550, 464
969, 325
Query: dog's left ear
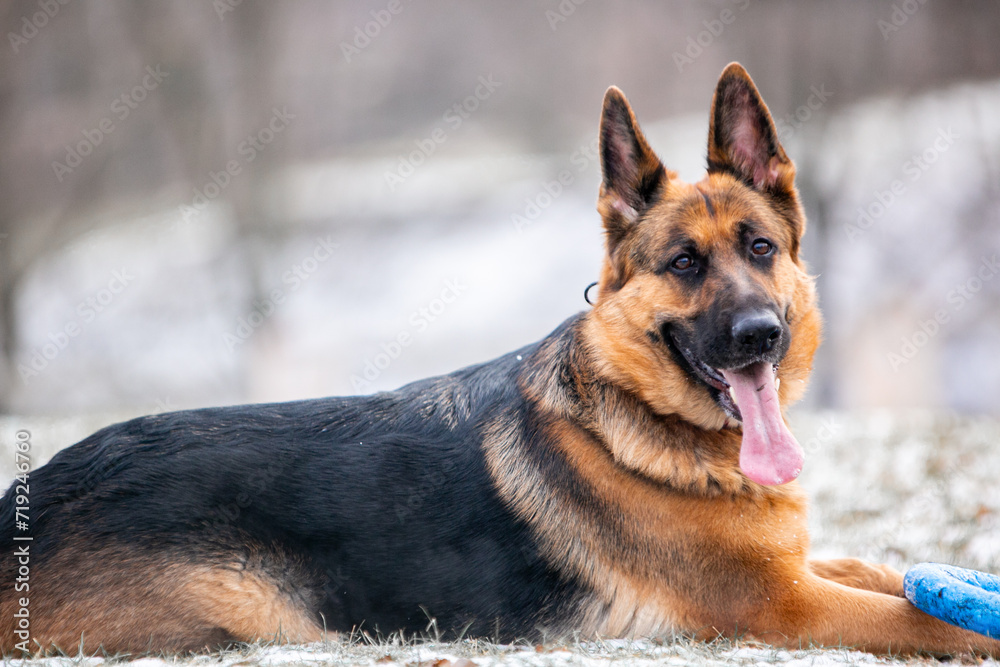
742, 139
633, 176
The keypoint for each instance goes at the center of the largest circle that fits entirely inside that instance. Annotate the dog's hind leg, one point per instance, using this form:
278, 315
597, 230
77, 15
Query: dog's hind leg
860, 574
118, 600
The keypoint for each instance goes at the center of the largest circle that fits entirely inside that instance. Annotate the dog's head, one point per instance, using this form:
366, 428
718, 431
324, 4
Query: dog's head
705, 309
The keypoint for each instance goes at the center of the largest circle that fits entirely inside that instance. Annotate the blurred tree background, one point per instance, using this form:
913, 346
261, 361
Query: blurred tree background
217, 201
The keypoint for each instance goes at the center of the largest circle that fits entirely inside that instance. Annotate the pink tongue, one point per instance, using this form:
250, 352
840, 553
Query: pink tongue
770, 454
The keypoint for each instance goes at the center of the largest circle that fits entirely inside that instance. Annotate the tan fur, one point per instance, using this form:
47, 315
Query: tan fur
662, 526
130, 602
859, 574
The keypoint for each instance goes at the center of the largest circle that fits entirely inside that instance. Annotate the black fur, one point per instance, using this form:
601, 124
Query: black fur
377, 511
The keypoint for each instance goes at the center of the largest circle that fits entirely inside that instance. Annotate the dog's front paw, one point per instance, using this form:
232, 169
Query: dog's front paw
857, 573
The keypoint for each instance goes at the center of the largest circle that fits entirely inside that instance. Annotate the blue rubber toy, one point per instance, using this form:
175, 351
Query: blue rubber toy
966, 598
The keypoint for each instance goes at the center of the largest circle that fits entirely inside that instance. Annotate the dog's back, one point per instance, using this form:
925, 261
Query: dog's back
196, 528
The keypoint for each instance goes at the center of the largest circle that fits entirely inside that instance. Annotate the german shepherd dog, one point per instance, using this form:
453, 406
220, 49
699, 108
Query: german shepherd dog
629, 475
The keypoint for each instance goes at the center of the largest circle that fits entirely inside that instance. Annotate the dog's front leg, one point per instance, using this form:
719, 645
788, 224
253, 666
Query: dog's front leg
817, 611
860, 574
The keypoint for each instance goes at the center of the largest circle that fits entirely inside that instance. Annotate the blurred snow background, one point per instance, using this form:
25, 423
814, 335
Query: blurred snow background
207, 203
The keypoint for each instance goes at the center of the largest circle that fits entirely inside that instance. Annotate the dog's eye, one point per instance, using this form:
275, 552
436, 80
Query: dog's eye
682, 262
762, 247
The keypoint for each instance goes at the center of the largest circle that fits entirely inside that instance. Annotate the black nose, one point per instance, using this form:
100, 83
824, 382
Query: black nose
756, 331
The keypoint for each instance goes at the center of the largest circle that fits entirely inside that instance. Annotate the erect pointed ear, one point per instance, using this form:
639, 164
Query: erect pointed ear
742, 139
633, 175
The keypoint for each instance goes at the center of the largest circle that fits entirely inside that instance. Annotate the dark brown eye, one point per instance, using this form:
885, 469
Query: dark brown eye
682, 262
762, 247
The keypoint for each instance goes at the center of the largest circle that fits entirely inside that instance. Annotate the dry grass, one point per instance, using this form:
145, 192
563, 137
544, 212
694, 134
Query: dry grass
393, 652
672, 651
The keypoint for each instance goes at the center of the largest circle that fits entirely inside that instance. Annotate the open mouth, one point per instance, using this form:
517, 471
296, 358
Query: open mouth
769, 453
719, 388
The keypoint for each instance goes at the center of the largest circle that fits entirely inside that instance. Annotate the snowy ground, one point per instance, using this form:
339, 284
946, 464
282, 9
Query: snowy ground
893, 487
470, 653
